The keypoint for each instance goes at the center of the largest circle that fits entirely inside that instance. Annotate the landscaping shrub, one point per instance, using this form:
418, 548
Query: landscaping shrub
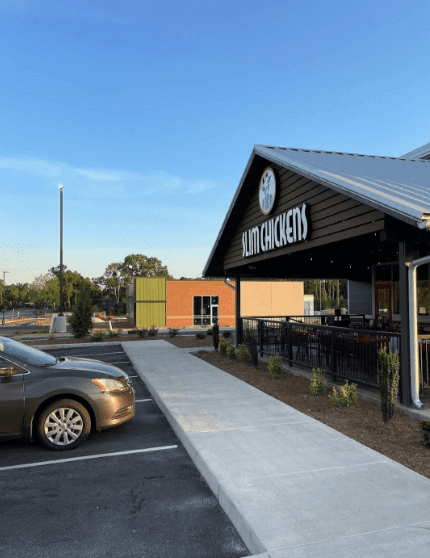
223, 346
200, 335
98, 336
242, 353
345, 396
231, 352
113, 333
209, 331
142, 332
226, 334
173, 331
275, 368
317, 382
80, 320
425, 433
389, 373
152, 332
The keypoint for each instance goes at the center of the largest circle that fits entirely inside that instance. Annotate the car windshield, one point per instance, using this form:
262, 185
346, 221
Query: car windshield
27, 354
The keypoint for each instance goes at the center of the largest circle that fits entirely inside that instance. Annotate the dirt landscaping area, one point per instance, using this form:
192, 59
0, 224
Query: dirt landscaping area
399, 439
182, 342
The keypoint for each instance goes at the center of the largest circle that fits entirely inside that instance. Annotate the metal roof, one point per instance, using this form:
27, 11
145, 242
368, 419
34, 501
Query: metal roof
393, 185
422, 152
397, 186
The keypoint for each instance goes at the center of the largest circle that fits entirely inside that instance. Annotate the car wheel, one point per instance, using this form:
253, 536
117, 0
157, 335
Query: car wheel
63, 425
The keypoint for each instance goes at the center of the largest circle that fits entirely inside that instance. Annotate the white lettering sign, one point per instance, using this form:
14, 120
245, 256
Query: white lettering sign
288, 228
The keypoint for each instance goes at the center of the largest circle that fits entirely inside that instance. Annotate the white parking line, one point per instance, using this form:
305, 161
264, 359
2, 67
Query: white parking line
140, 400
83, 458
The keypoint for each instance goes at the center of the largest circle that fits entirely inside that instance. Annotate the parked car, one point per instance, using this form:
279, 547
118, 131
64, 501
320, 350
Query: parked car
59, 399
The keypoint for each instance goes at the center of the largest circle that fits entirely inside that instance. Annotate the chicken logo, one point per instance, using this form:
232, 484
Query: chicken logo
267, 191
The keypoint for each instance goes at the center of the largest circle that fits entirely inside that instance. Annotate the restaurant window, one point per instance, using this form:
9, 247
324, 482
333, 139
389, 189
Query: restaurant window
205, 310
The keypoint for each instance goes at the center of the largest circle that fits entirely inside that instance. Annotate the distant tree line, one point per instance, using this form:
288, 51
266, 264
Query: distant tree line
108, 292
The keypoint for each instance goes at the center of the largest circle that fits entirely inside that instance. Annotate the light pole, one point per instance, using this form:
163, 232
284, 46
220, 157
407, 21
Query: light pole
60, 186
4, 292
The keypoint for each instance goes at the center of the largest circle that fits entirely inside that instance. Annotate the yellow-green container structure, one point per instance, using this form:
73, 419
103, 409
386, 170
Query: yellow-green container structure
150, 295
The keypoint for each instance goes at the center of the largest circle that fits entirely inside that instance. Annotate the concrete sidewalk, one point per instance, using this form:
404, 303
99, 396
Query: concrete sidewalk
292, 486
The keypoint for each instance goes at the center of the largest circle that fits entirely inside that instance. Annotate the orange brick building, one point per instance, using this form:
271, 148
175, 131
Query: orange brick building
176, 303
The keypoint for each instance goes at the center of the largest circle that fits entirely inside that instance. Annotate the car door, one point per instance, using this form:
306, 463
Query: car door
11, 398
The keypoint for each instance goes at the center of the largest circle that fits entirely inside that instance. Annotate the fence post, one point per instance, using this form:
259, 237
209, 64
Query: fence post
260, 336
333, 354
290, 344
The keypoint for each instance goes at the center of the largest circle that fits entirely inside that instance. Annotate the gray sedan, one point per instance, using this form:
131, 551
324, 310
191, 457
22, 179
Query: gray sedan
59, 399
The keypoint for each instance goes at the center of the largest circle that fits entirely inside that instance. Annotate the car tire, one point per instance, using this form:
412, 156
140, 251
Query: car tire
63, 425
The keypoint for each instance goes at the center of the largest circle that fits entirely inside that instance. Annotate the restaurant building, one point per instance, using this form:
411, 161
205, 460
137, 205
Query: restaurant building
312, 214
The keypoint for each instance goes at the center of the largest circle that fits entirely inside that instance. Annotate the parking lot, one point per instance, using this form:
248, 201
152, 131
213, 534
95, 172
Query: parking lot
128, 491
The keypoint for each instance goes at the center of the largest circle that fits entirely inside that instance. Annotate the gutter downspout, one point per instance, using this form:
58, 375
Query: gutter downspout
413, 330
228, 285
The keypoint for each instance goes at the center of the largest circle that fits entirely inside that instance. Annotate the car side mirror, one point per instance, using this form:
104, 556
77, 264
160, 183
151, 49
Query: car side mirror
6, 371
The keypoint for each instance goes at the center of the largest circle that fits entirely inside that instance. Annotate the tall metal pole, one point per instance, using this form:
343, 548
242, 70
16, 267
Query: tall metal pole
61, 248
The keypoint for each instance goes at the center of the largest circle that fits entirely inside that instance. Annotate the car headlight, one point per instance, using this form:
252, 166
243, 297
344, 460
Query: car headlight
110, 385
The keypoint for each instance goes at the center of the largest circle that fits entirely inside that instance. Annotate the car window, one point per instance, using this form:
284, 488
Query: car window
30, 355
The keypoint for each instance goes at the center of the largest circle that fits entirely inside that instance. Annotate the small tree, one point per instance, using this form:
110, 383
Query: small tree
389, 372
80, 321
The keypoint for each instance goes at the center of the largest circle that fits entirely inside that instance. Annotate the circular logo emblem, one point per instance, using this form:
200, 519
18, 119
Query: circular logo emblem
267, 191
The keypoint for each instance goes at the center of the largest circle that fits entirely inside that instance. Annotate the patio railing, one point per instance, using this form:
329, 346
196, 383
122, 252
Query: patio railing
344, 353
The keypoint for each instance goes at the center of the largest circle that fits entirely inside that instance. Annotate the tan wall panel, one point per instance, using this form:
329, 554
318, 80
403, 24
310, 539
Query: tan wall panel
272, 298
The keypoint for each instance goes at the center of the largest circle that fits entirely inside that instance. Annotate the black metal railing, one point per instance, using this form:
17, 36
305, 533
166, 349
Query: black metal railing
424, 361
345, 353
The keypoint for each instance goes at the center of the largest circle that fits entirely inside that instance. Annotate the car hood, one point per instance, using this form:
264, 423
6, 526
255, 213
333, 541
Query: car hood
74, 363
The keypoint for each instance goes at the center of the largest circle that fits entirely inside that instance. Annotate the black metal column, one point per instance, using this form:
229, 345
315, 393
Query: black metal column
239, 324
405, 257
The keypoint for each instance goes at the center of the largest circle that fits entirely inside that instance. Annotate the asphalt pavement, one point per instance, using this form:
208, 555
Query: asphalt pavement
130, 491
292, 486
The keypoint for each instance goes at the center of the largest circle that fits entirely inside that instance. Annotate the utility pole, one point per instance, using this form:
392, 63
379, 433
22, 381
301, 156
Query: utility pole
61, 187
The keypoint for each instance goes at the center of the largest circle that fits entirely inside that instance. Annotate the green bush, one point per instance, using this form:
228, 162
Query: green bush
98, 336
317, 382
242, 353
223, 346
249, 334
389, 373
425, 432
226, 334
113, 333
152, 332
173, 331
231, 352
209, 331
142, 332
80, 320
345, 396
200, 335
275, 368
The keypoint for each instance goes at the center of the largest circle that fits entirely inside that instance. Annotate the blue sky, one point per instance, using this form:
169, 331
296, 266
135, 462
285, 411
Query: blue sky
148, 113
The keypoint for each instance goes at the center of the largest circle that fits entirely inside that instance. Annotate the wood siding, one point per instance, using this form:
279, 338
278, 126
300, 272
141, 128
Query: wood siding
333, 217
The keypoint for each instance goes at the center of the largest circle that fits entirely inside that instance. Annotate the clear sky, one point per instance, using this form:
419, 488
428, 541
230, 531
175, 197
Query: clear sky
147, 112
